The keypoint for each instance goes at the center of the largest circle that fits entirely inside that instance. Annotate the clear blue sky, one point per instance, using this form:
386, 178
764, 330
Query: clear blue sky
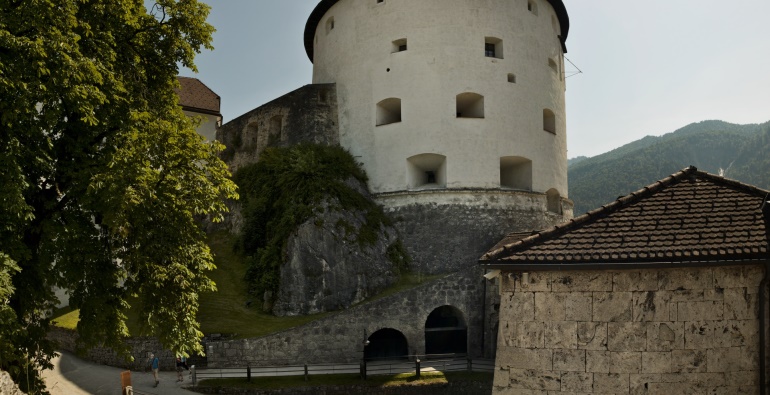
649, 67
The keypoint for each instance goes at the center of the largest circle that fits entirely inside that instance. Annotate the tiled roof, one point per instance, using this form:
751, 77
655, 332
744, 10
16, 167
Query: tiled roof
687, 218
197, 97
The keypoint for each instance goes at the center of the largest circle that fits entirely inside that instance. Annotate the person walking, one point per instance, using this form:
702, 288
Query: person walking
155, 365
181, 364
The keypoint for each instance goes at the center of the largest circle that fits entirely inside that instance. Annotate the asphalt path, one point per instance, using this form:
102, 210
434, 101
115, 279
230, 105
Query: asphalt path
74, 376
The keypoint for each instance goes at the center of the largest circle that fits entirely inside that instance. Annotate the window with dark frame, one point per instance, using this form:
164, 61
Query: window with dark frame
489, 50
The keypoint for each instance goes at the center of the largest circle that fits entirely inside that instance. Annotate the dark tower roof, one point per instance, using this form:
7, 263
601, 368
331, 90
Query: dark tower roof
325, 5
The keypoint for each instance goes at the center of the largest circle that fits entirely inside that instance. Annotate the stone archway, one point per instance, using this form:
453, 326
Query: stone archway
386, 343
446, 332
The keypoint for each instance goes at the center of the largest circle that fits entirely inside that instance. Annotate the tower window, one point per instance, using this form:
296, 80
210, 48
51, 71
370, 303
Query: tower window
549, 121
554, 201
470, 105
426, 171
493, 47
512, 78
552, 64
532, 7
329, 25
388, 111
399, 45
516, 173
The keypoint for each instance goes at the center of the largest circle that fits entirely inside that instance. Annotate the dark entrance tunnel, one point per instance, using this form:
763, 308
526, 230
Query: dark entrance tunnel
386, 344
446, 332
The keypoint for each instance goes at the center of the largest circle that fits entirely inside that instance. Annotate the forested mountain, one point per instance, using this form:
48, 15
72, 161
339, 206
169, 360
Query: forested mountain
740, 152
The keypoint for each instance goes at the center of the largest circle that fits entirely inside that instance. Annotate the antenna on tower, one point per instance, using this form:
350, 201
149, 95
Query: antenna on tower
572, 73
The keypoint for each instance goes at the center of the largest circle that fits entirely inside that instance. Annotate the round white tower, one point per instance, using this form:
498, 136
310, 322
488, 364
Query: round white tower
453, 101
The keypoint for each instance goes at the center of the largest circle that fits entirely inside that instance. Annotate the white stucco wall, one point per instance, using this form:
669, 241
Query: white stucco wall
208, 126
445, 57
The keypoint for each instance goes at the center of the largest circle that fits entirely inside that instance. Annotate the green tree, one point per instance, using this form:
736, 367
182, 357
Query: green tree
104, 183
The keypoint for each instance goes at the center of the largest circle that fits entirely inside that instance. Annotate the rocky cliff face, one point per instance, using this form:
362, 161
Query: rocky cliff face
327, 269
7, 386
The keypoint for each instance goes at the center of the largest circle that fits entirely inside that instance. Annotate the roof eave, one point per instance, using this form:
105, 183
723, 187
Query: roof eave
552, 266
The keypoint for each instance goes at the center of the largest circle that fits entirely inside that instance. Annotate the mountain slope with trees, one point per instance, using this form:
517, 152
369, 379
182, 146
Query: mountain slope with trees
741, 152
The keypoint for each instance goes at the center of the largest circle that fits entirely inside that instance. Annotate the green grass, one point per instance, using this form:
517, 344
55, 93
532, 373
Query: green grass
225, 311
405, 379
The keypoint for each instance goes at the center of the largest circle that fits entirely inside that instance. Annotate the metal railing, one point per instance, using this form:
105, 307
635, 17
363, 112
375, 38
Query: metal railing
407, 364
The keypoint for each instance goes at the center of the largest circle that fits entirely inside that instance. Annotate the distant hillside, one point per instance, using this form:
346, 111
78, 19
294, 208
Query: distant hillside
741, 152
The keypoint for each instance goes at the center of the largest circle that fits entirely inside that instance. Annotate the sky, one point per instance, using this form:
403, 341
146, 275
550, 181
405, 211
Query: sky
648, 67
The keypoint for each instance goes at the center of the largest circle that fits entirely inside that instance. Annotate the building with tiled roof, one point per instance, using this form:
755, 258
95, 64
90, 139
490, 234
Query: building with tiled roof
198, 100
660, 291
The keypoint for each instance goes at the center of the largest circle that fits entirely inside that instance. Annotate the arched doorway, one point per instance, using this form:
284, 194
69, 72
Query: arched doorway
446, 332
386, 344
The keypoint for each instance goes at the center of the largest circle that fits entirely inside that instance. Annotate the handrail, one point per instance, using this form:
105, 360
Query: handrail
372, 366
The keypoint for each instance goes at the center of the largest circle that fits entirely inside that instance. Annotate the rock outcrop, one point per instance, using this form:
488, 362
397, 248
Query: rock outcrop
326, 268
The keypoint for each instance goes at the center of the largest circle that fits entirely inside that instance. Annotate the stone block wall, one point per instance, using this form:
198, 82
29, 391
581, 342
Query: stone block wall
339, 337
139, 347
308, 114
651, 331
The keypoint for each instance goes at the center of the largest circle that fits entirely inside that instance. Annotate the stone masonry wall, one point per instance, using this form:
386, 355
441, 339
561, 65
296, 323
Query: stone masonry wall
651, 331
447, 230
308, 114
339, 337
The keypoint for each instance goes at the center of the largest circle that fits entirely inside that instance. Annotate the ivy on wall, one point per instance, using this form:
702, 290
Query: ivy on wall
291, 185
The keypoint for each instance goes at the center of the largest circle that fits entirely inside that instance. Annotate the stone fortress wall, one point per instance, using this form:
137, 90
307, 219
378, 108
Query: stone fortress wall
651, 331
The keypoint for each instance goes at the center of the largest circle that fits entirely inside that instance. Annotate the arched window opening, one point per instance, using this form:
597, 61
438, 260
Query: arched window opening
493, 47
532, 7
516, 173
426, 171
399, 45
446, 332
386, 344
554, 201
388, 111
470, 105
549, 121
552, 64
276, 129
252, 134
329, 25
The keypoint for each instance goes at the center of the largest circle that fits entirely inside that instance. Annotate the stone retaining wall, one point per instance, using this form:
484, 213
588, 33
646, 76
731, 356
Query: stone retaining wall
672, 331
339, 337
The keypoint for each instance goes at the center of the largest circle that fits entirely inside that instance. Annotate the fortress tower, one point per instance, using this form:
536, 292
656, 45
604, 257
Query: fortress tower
453, 104
455, 108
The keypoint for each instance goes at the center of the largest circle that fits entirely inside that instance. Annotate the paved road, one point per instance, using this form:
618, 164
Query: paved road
74, 376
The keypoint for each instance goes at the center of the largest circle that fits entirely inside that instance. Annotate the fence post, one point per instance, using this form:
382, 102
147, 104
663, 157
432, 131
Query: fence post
417, 367
194, 376
248, 373
306, 371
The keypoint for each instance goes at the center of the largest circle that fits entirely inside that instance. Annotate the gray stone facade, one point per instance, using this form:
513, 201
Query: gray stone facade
448, 230
651, 331
308, 114
339, 337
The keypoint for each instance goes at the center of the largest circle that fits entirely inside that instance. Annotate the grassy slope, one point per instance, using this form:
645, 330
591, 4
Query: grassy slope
225, 311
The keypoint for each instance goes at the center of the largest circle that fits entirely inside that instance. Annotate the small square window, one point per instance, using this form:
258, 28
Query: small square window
380, 1
399, 45
489, 50
512, 78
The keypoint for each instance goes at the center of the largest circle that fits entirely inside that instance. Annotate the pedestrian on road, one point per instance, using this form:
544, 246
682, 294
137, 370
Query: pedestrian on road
155, 364
181, 364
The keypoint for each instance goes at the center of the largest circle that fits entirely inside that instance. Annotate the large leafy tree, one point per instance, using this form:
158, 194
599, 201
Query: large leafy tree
104, 183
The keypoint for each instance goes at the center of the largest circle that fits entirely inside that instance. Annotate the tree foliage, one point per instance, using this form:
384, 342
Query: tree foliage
289, 186
104, 181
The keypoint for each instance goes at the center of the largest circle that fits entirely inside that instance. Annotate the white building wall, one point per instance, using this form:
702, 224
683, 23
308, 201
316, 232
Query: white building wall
445, 57
208, 125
